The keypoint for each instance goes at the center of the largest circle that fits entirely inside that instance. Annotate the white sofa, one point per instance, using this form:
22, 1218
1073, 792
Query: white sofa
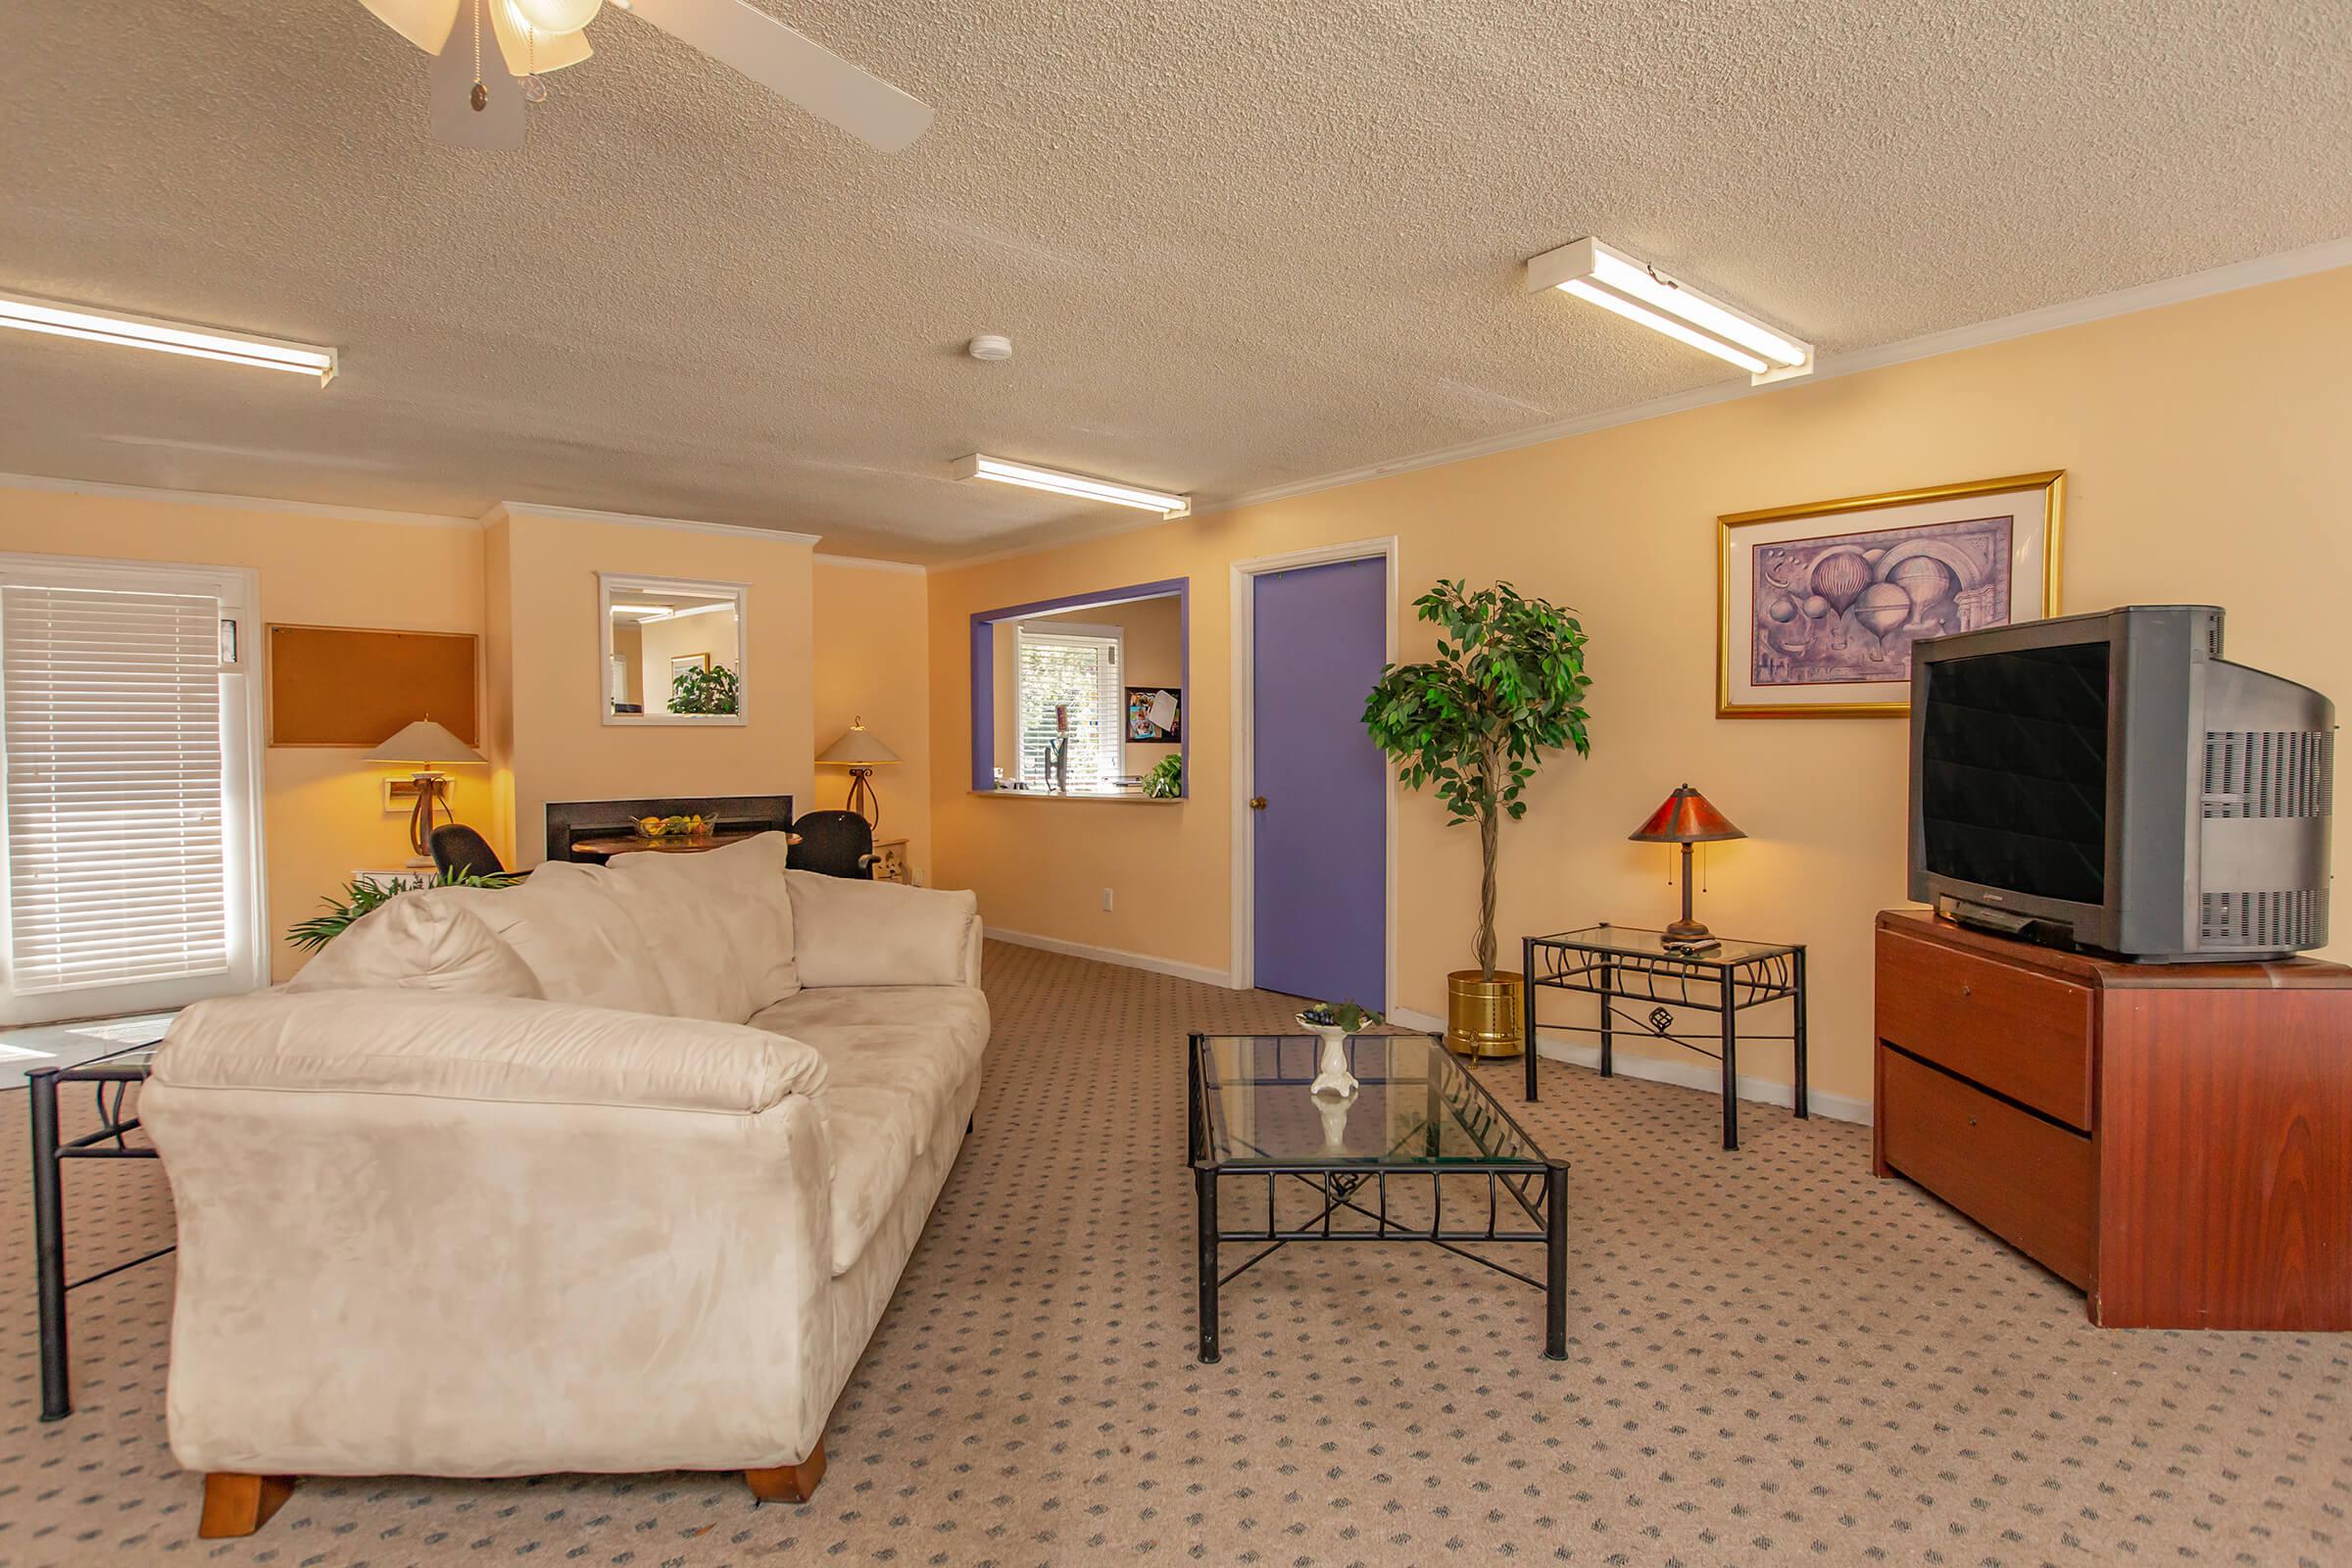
613, 1170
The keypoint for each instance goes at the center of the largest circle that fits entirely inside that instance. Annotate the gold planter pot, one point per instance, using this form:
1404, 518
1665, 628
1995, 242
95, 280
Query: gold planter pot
1481, 1015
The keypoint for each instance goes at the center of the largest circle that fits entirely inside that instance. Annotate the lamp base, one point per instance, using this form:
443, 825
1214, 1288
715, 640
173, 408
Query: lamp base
862, 799
1686, 931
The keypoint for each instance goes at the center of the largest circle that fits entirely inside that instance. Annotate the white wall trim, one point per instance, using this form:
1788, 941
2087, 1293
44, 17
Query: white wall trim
1699, 1075
631, 520
1243, 873
2320, 258
206, 498
869, 563
1110, 531
1118, 955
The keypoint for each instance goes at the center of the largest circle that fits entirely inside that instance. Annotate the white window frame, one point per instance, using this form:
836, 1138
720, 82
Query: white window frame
1114, 708
242, 733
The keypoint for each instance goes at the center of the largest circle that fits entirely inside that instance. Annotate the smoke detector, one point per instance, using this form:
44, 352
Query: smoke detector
990, 347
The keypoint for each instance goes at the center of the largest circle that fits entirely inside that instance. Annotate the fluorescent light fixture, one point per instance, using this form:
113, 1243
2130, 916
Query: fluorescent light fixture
647, 613
1002, 471
57, 319
1637, 291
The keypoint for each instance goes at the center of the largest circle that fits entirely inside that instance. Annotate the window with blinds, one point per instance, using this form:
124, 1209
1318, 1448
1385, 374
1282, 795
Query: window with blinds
1078, 673
121, 797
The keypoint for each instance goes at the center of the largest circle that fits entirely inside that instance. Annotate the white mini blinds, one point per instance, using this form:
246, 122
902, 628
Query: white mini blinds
118, 839
1079, 674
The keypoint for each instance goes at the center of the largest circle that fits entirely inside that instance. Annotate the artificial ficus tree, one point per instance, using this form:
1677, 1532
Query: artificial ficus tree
1506, 687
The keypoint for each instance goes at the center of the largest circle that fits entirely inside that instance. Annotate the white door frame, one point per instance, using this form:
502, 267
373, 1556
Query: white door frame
1245, 752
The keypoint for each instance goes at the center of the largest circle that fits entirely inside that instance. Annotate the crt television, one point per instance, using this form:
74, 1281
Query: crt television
2112, 782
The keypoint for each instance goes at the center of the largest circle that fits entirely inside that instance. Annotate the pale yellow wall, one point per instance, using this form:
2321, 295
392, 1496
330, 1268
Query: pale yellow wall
563, 749
323, 813
2205, 451
871, 660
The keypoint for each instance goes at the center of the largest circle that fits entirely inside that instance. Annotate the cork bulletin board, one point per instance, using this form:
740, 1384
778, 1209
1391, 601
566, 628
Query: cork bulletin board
347, 686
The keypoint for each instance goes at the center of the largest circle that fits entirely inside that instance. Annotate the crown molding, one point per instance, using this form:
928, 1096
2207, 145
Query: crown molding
2323, 257
1123, 526
869, 563
206, 498
2320, 257
631, 520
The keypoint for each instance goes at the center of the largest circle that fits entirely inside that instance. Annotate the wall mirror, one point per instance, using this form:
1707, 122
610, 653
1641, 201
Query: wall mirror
672, 650
1083, 696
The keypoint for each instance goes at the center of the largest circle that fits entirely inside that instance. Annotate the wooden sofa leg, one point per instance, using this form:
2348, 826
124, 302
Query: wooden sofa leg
789, 1483
237, 1504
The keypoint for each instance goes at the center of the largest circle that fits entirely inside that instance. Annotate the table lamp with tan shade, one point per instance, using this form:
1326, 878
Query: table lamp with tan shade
859, 753
424, 746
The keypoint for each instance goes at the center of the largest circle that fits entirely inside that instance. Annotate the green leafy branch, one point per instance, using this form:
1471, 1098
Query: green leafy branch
363, 895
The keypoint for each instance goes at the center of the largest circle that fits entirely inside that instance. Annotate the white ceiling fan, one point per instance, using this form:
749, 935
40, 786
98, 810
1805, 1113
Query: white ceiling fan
490, 58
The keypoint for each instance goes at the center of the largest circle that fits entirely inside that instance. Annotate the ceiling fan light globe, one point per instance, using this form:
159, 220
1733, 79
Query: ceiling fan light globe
556, 16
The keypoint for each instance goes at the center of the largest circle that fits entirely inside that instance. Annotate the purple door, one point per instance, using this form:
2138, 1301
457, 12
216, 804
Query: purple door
1320, 637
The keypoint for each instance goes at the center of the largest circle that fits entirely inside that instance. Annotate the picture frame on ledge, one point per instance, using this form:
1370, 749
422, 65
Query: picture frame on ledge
1819, 604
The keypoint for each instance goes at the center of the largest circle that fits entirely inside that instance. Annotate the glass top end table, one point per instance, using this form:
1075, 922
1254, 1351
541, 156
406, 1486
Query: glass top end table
111, 1076
1642, 980
1417, 1120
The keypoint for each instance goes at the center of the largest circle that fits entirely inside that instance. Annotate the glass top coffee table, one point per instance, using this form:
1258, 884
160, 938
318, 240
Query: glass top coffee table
1419, 1153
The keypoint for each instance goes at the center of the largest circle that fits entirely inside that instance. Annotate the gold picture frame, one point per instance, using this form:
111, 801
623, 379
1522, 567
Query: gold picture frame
1954, 529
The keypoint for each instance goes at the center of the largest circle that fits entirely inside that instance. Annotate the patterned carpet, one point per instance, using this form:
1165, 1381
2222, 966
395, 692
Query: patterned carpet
1773, 1357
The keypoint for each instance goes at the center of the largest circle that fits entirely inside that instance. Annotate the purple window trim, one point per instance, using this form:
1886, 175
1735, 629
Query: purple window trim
984, 663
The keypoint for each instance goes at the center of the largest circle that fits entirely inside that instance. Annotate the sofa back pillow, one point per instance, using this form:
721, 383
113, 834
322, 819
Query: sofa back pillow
852, 932
566, 923
422, 941
731, 909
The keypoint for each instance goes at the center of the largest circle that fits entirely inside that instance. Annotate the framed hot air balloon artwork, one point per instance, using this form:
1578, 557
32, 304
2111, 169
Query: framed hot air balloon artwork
1820, 603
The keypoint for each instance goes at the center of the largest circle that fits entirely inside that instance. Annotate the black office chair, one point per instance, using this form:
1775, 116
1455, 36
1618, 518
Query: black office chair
834, 844
459, 848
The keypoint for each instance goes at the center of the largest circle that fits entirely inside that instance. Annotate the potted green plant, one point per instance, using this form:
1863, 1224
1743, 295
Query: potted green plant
706, 689
366, 893
1165, 781
1506, 687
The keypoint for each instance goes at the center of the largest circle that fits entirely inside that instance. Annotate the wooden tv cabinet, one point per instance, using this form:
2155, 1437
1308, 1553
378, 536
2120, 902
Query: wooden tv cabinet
2174, 1139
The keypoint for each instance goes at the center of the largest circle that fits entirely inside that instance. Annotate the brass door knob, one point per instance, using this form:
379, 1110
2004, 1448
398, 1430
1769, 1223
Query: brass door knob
1258, 803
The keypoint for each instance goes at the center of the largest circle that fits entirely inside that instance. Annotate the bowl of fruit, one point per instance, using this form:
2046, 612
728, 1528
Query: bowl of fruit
666, 829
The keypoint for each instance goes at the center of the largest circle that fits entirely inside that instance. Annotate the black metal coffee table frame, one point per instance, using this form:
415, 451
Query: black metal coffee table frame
1539, 1191
1727, 981
111, 1076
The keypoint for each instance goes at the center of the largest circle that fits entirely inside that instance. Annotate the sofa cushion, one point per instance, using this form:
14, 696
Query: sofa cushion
576, 935
681, 933
873, 1132
481, 1048
956, 1015
423, 940
720, 922
852, 932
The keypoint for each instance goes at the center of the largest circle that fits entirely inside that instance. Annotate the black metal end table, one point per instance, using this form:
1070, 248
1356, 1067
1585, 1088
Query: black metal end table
1639, 978
1416, 1112
111, 1076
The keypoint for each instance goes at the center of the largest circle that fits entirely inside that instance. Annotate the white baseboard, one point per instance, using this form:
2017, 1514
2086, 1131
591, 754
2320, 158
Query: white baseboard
1700, 1075
1118, 955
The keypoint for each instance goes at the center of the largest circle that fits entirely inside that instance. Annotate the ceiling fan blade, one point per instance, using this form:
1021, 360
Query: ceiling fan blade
796, 67
425, 24
496, 126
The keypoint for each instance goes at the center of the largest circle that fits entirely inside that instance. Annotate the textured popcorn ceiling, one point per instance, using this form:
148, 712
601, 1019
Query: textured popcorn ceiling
1237, 243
